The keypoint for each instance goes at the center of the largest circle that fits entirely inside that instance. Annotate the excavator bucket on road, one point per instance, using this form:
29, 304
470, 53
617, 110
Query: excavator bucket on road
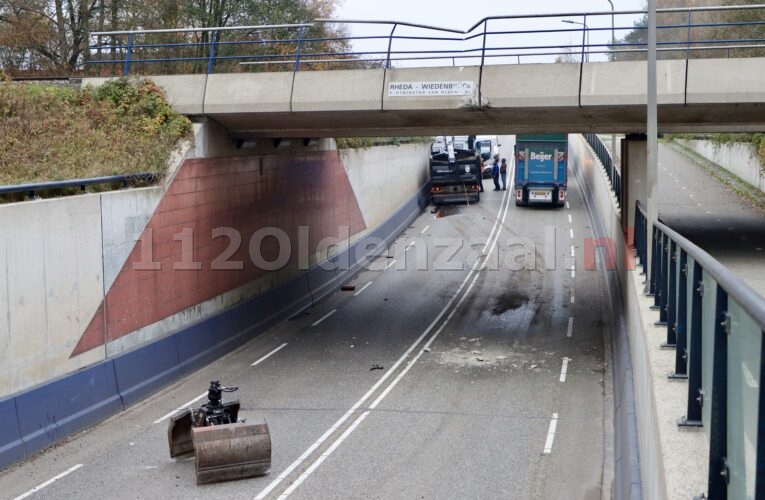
231, 451
224, 447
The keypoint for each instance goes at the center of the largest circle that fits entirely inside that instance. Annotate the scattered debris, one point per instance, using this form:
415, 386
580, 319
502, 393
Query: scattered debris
386, 300
476, 352
533, 367
479, 359
376, 367
475, 339
501, 357
463, 338
352, 346
426, 349
348, 288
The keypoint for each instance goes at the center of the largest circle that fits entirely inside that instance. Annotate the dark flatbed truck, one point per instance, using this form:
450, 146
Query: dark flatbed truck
455, 177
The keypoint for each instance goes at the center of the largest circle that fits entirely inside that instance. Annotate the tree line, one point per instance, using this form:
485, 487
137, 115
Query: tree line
727, 29
53, 37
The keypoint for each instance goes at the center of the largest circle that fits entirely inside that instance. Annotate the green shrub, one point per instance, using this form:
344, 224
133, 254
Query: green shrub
56, 132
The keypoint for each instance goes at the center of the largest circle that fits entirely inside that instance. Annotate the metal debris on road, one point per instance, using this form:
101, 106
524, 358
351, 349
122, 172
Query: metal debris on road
376, 367
348, 288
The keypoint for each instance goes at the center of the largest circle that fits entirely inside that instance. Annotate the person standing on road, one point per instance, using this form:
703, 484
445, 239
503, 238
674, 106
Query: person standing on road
495, 173
503, 173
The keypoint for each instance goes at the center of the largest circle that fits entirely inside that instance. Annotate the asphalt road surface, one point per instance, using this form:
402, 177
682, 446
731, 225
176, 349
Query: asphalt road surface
708, 213
494, 379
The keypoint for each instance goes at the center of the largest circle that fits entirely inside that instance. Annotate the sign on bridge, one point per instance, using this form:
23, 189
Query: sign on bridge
428, 89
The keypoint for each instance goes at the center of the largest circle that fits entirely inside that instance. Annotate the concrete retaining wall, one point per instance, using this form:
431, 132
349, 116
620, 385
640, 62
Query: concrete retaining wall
738, 158
383, 178
60, 255
86, 332
605, 216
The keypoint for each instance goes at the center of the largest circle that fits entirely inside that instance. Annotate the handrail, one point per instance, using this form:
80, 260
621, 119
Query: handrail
718, 333
606, 159
737, 288
34, 187
494, 42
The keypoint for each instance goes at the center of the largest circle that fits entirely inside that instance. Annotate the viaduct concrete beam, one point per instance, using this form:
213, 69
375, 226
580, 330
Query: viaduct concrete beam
717, 95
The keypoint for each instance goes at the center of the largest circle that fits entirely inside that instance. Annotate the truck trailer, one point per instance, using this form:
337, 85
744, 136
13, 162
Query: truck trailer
541, 169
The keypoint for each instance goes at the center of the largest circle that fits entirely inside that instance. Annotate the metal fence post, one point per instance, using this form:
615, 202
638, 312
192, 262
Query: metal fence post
390, 44
671, 299
653, 282
719, 473
695, 394
297, 50
128, 56
211, 56
681, 321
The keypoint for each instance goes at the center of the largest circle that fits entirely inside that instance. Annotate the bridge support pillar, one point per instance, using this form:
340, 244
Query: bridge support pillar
634, 170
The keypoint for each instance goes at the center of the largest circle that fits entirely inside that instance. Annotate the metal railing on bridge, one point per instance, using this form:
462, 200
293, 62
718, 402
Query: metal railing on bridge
323, 44
716, 324
606, 159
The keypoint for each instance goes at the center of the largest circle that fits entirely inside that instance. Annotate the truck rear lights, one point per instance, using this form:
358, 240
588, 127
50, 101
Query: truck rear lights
519, 194
561, 195
436, 189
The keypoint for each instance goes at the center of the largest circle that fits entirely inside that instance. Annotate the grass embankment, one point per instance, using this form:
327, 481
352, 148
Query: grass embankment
59, 132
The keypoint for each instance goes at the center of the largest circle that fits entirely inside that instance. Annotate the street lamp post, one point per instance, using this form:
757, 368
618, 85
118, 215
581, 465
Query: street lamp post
613, 42
587, 31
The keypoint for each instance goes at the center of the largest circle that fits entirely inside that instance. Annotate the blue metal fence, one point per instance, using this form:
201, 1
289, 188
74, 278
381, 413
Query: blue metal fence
716, 324
568, 37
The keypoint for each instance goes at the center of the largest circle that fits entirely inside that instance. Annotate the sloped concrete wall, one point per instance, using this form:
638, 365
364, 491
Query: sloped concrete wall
739, 158
115, 295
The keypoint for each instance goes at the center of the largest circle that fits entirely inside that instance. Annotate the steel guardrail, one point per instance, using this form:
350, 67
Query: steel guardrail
33, 188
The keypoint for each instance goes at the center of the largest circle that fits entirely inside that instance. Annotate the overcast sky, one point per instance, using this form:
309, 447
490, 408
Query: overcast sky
463, 14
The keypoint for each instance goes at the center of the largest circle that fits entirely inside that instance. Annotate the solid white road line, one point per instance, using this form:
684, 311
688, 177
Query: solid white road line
391, 263
330, 313
551, 434
48, 482
182, 407
564, 369
362, 289
425, 229
270, 353
377, 401
570, 330
382, 379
